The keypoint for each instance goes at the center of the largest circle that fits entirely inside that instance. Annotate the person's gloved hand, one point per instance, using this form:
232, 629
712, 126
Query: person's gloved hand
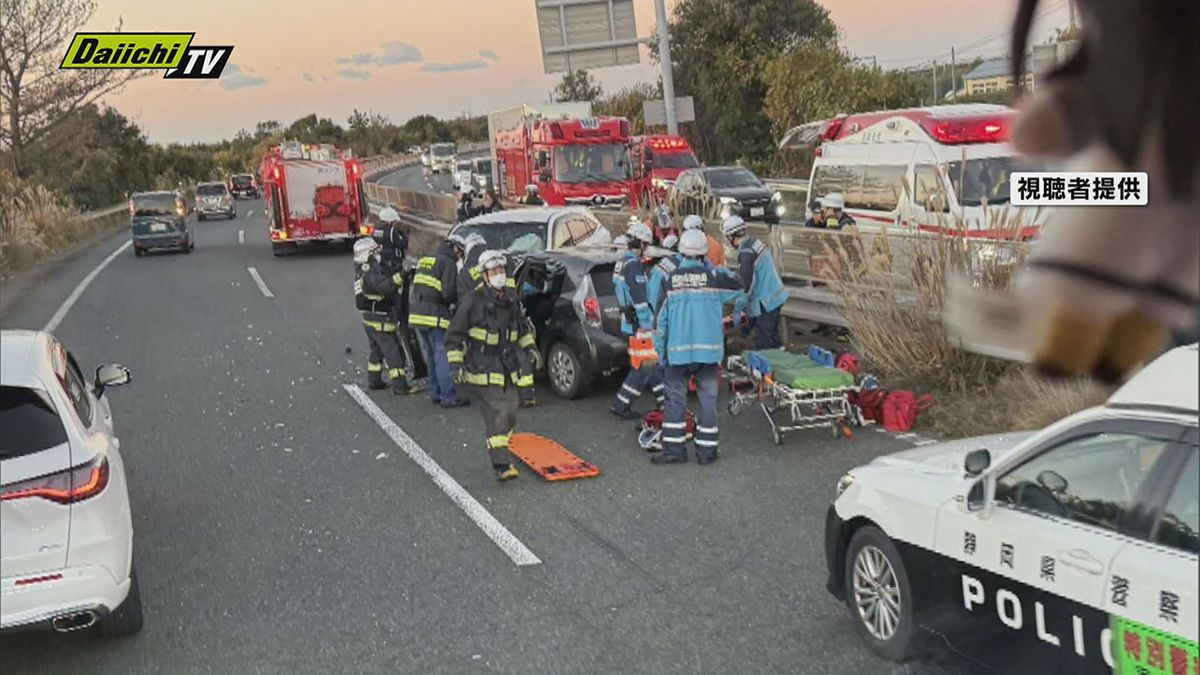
739, 319
536, 357
456, 373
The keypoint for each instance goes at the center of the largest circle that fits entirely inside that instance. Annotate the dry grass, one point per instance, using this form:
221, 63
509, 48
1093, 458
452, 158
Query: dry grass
35, 223
894, 291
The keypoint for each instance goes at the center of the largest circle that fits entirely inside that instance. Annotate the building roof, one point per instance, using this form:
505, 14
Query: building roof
992, 68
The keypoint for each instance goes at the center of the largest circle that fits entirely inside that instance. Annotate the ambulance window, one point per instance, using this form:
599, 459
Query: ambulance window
838, 178
928, 190
1094, 479
1180, 524
881, 187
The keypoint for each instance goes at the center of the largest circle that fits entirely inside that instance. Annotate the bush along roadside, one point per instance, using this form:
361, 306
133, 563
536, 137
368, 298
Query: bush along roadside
36, 223
893, 290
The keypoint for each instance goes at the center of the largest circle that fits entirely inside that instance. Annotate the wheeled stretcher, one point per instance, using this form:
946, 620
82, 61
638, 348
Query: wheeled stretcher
777, 381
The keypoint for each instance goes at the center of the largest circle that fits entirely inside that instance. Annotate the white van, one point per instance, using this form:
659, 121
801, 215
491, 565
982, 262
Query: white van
955, 158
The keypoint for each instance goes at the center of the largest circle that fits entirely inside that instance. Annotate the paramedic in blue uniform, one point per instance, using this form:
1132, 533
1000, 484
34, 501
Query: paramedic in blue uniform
629, 278
765, 294
690, 339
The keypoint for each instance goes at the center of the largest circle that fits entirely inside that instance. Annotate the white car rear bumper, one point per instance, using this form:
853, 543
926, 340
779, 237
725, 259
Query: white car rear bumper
80, 589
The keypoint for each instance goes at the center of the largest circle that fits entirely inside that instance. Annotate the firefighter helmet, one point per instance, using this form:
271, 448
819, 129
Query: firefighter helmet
388, 215
640, 232
693, 243
364, 248
693, 222
490, 260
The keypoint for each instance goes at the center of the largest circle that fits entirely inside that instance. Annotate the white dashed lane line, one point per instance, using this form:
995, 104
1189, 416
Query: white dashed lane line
87, 281
262, 285
241, 236
494, 529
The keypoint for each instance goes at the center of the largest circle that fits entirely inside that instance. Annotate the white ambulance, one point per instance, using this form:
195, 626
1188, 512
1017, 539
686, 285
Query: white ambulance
941, 168
1073, 549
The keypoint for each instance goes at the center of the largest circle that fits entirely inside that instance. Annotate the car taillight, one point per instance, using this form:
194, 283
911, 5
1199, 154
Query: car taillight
64, 487
591, 309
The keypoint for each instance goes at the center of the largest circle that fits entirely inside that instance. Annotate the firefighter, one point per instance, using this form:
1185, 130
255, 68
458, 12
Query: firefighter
690, 338
469, 276
663, 227
629, 278
531, 197
765, 294
816, 217
835, 217
716, 252
658, 275
466, 203
488, 328
394, 244
374, 294
435, 291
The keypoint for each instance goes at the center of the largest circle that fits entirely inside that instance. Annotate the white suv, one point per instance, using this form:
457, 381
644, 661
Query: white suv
66, 535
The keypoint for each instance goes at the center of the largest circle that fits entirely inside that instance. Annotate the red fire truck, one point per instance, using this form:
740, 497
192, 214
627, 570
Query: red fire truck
314, 193
657, 162
581, 162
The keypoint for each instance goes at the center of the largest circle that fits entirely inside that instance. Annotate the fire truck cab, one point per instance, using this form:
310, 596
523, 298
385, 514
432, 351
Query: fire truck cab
574, 162
313, 193
657, 162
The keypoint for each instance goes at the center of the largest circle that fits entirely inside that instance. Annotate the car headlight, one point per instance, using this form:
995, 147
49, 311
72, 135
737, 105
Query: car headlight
780, 210
776, 197
728, 200
843, 484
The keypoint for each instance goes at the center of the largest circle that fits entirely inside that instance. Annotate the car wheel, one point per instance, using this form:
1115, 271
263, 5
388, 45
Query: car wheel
191, 243
127, 619
879, 595
566, 372
138, 251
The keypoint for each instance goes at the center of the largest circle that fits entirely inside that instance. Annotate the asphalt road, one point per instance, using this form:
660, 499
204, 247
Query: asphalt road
278, 528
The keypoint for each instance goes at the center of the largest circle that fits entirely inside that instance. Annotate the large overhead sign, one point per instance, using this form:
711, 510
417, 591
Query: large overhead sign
587, 34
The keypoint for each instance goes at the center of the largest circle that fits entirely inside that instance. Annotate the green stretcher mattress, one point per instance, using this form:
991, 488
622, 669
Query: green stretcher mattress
799, 371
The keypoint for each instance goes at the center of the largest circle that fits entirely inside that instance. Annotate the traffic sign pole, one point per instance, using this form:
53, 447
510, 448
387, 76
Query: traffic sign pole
664, 58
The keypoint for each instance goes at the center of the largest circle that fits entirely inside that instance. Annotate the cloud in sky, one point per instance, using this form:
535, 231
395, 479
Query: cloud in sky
454, 67
353, 74
390, 54
235, 77
489, 54
308, 77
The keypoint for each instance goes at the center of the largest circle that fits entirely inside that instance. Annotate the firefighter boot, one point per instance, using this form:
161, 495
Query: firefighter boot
505, 472
375, 377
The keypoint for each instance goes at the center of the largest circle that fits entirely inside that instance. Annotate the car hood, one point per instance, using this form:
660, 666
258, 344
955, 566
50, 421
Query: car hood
742, 194
947, 458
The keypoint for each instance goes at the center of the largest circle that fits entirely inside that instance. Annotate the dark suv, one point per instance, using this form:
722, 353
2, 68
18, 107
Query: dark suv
159, 220
569, 296
243, 185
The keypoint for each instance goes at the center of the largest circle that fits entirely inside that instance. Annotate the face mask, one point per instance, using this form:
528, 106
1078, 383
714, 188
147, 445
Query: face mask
497, 281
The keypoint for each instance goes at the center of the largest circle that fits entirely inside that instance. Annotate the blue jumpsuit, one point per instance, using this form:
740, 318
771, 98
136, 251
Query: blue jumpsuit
629, 279
690, 338
764, 295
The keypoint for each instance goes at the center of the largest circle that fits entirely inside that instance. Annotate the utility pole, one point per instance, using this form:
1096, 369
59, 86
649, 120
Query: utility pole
953, 83
935, 83
874, 63
664, 58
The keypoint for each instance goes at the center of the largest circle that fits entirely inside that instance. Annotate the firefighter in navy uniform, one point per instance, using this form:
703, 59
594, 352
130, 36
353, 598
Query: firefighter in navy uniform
375, 292
394, 248
487, 331
435, 291
531, 197
637, 318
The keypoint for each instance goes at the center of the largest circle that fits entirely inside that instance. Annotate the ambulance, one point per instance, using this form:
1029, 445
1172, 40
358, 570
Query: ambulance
941, 168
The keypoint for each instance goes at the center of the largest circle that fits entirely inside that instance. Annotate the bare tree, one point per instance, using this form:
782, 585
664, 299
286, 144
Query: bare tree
36, 96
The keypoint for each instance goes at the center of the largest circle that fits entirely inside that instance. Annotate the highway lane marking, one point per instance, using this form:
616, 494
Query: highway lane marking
500, 535
249, 213
74, 296
262, 285
241, 236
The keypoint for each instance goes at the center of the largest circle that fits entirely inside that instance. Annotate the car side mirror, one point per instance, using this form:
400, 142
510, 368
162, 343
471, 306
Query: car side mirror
977, 461
977, 498
1052, 481
110, 375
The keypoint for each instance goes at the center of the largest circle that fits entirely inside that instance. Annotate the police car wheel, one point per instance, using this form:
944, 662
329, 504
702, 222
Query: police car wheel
879, 595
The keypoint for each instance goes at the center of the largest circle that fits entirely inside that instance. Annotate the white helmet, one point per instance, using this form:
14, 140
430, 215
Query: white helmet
633, 220
693, 222
640, 232
474, 239
833, 200
671, 241
531, 189
693, 243
388, 215
490, 260
733, 225
364, 248
464, 189
621, 240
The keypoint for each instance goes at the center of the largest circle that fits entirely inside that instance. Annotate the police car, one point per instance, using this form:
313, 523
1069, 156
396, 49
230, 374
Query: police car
1070, 549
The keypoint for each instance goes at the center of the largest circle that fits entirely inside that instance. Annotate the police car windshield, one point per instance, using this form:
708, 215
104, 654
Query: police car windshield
154, 205
675, 160
590, 163
978, 179
731, 178
522, 237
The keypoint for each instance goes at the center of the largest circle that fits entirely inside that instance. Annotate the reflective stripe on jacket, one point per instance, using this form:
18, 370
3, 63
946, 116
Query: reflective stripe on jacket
689, 325
487, 330
375, 292
629, 280
435, 288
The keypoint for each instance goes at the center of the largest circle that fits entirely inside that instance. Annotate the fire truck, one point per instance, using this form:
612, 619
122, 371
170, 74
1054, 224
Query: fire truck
314, 193
573, 161
657, 162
